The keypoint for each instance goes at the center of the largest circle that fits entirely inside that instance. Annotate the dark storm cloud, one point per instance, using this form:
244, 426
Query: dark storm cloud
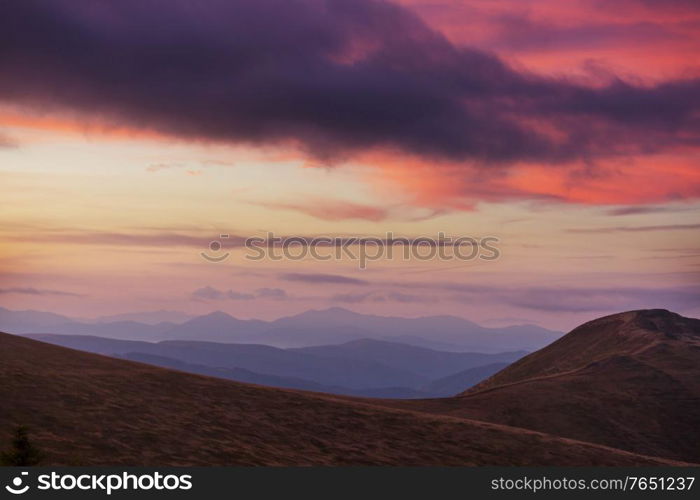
333, 76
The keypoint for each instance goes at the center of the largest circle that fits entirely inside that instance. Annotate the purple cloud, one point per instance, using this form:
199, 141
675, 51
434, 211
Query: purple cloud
331, 75
652, 209
636, 229
403, 298
571, 299
271, 293
357, 298
37, 291
322, 278
139, 238
210, 293
519, 32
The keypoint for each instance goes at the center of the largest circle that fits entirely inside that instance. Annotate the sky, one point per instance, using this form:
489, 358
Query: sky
134, 133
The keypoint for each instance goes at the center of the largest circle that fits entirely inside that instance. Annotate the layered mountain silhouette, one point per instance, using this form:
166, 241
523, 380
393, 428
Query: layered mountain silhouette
630, 381
619, 390
312, 328
242, 375
362, 367
87, 409
455, 383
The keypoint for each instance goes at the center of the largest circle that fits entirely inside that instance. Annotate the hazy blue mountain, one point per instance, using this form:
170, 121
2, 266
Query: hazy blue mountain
274, 361
361, 368
147, 317
130, 330
218, 327
90, 343
350, 373
337, 325
304, 336
311, 328
42, 322
29, 321
250, 377
426, 362
461, 381
431, 331
238, 374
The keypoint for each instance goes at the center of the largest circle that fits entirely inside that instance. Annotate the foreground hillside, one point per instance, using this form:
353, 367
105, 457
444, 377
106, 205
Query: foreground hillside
630, 380
87, 409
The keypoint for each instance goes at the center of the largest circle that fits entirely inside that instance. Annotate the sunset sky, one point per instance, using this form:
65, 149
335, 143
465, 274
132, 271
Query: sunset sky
133, 133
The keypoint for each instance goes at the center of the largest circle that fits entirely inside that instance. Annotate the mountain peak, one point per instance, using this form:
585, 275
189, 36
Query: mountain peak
624, 334
332, 313
215, 316
616, 381
333, 310
649, 324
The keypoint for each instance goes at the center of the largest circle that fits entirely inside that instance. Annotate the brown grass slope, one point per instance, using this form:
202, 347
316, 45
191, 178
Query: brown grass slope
89, 410
630, 381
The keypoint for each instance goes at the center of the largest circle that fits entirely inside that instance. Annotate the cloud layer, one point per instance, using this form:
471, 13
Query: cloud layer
37, 291
331, 76
544, 299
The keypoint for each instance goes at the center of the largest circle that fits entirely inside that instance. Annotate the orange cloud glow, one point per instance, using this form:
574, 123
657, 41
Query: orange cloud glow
630, 181
77, 125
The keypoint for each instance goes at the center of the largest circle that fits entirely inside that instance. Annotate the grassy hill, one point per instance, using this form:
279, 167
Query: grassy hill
86, 409
630, 380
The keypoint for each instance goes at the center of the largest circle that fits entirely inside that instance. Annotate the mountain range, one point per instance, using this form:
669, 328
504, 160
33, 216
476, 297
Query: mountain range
361, 367
311, 328
618, 390
87, 409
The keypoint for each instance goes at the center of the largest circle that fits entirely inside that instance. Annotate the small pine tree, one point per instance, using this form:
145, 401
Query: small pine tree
23, 452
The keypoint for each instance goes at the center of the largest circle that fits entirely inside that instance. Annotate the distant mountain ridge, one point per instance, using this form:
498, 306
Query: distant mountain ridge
311, 328
431, 363
147, 317
242, 375
363, 368
456, 383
